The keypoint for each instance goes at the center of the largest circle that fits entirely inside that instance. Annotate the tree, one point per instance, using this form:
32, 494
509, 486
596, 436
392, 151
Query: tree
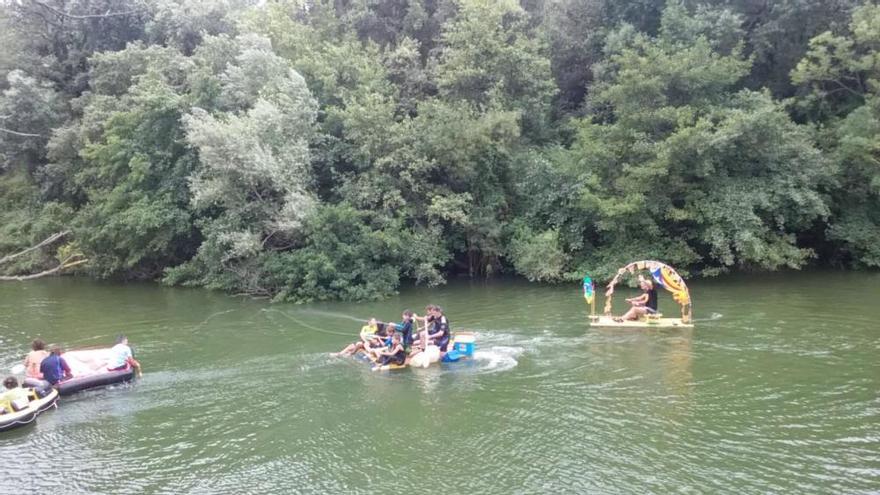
840, 76
492, 60
29, 110
677, 164
251, 186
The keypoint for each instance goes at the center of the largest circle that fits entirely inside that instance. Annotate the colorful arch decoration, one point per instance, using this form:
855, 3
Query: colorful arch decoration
664, 276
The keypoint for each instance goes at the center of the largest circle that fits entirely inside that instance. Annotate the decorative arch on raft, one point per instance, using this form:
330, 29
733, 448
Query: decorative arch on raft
664, 276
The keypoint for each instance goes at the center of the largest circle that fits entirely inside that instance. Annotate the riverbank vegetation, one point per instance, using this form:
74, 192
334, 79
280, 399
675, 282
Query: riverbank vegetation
315, 149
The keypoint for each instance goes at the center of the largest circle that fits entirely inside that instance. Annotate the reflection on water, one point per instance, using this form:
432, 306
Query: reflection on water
777, 395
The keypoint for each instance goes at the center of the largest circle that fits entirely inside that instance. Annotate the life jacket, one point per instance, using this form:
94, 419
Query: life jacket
368, 330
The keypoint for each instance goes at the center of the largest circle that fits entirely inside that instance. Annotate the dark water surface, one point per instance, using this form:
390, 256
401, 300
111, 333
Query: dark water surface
776, 390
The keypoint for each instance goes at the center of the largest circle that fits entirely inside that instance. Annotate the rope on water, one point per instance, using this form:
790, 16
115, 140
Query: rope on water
205, 322
311, 327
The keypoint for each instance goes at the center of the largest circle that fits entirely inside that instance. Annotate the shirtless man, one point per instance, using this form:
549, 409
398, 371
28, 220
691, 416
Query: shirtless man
34, 358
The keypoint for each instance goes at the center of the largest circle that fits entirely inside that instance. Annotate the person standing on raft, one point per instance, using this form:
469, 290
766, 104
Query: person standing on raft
437, 333
645, 304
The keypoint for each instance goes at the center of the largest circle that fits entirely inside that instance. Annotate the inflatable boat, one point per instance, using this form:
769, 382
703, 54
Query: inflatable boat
89, 370
29, 414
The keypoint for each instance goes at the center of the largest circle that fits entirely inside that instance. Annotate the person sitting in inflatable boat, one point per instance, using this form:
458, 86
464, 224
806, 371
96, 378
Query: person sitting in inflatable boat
14, 398
121, 357
54, 368
34, 358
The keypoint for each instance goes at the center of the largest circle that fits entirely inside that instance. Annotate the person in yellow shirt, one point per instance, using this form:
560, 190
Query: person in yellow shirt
371, 336
14, 398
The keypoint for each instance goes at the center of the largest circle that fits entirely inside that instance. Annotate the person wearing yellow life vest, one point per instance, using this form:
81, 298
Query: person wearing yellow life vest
14, 398
370, 336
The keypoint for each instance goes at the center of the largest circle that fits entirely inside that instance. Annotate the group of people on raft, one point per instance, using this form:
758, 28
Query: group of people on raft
396, 343
48, 368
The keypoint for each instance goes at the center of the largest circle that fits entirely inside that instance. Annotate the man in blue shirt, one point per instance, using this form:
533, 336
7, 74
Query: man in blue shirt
54, 368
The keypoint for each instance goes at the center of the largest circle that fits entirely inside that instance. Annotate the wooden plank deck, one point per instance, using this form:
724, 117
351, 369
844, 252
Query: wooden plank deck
607, 321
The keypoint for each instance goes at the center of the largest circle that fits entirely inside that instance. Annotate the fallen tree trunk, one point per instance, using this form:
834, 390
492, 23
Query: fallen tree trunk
71, 260
49, 240
64, 265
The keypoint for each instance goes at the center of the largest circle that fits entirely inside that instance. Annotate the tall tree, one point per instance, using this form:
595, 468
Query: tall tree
840, 76
676, 163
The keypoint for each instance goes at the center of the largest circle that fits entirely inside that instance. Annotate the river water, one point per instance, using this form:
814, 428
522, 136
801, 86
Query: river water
776, 390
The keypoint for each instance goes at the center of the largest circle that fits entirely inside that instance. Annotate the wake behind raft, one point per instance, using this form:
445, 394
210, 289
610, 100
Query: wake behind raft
463, 346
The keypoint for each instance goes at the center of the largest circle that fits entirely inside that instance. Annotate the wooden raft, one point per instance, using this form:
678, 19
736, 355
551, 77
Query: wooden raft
608, 321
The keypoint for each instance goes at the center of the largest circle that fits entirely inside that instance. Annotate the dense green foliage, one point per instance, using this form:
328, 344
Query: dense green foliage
310, 149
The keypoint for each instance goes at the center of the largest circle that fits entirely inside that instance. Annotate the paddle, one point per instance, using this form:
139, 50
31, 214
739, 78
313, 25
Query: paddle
17, 369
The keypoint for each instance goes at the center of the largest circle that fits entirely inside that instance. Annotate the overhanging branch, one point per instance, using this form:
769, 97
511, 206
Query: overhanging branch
49, 240
63, 266
16, 133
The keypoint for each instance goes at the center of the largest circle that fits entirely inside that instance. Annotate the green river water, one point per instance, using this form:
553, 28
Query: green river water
776, 390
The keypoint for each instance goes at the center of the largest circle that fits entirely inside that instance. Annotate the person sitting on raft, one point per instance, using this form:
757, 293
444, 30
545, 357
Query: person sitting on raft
34, 358
54, 368
373, 349
121, 357
370, 334
14, 398
393, 354
646, 303
405, 328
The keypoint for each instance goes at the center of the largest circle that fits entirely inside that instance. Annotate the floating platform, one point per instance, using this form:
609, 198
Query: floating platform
608, 321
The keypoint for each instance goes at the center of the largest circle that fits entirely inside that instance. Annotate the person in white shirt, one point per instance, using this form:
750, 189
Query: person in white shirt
120, 356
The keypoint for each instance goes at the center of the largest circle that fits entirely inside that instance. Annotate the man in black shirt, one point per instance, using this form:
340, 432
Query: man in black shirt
646, 303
